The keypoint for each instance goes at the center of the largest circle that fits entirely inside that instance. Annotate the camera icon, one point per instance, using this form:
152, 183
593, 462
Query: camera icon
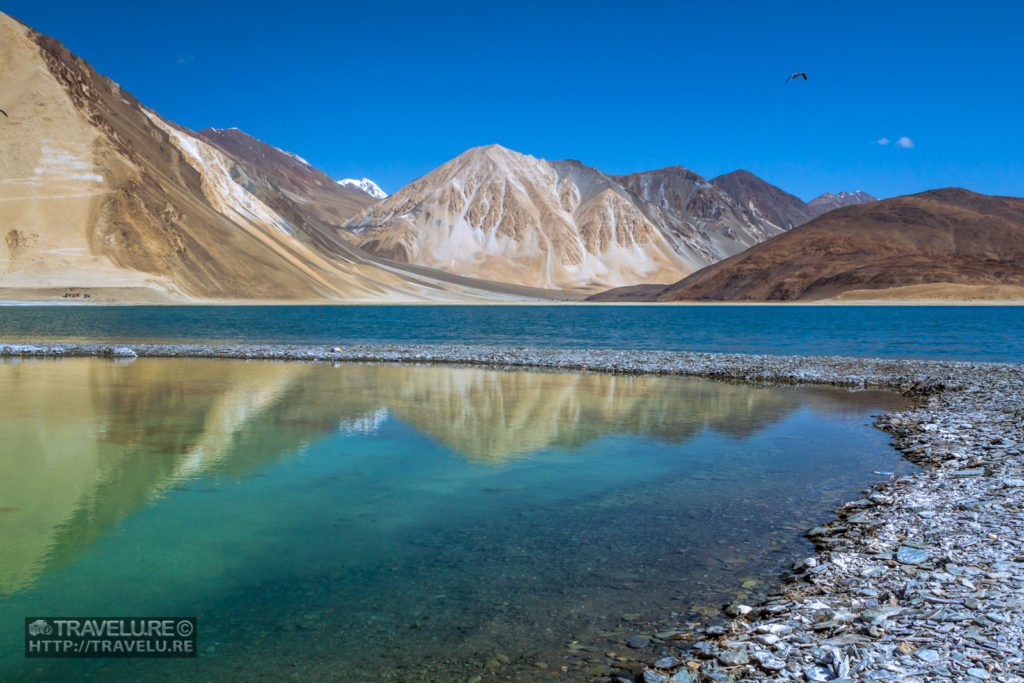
40, 627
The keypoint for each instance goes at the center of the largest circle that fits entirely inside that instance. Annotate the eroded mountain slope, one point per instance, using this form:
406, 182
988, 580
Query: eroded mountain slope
492, 212
100, 194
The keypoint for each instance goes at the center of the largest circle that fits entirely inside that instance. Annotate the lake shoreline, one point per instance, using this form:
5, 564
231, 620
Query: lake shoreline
13, 303
923, 577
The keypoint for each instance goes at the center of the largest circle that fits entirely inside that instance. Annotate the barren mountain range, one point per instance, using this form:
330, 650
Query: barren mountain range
100, 195
492, 212
949, 243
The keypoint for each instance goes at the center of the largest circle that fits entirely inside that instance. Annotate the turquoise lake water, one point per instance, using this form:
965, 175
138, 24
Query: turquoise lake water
981, 333
391, 522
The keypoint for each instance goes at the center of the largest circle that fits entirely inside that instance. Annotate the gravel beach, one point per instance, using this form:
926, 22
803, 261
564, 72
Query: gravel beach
922, 579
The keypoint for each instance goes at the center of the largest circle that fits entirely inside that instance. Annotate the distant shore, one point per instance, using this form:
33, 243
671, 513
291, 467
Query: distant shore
923, 576
320, 302
911, 295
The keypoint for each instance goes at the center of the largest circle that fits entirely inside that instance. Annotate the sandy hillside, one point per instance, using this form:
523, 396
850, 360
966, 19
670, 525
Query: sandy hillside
100, 195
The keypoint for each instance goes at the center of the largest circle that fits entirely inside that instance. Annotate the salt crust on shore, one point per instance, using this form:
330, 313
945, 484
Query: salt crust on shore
920, 580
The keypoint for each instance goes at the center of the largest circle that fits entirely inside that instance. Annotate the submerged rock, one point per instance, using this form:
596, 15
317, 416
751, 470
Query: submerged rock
638, 642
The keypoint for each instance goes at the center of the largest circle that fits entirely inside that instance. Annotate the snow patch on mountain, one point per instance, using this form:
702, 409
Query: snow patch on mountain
829, 201
364, 185
294, 156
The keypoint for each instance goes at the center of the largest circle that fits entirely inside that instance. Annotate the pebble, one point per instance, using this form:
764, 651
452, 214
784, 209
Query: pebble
733, 658
768, 662
817, 673
968, 473
911, 555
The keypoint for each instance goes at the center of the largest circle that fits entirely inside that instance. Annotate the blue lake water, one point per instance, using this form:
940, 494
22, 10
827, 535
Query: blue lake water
981, 333
402, 523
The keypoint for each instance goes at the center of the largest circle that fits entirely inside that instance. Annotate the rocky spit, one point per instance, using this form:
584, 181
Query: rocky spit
921, 579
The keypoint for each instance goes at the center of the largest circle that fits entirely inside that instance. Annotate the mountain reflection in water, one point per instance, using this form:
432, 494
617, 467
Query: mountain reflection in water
411, 521
88, 442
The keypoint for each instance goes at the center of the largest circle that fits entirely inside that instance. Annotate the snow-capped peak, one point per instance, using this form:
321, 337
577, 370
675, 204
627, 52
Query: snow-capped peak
364, 185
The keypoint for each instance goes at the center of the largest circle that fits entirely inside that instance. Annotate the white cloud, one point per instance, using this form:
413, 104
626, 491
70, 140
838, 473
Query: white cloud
905, 142
882, 141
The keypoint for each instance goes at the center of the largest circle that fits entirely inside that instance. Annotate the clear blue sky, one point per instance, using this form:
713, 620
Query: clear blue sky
392, 90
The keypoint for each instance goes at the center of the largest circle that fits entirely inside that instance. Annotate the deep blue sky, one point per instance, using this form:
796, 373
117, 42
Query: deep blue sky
392, 90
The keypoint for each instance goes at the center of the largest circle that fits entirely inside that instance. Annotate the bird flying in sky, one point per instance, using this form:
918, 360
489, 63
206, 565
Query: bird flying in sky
797, 75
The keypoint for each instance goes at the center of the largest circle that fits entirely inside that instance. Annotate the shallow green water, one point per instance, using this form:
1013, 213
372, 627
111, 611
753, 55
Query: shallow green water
401, 522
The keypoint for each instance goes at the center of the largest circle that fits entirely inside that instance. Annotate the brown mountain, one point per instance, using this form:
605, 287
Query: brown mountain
757, 195
949, 243
705, 219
